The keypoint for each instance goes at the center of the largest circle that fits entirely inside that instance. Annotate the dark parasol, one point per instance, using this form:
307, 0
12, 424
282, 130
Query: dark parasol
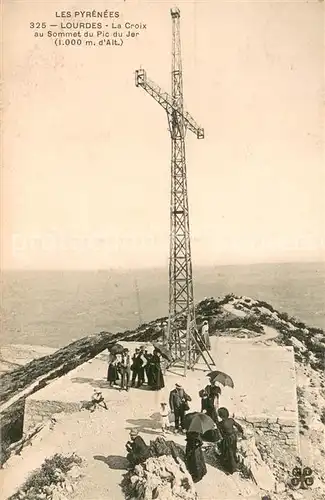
198, 422
222, 378
116, 349
163, 351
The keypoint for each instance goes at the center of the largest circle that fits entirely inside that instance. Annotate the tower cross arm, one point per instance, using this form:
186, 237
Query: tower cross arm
166, 101
163, 98
193, 126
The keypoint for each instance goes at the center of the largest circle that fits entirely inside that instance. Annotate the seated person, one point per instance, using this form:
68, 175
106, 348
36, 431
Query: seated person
97, 399
138, 450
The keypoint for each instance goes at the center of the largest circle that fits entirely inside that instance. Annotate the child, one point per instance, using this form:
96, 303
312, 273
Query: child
164, 417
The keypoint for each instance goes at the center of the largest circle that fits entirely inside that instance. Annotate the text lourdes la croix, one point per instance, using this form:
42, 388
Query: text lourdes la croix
85, 15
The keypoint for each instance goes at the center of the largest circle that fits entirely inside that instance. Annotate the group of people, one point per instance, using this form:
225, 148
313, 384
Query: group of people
146, 368
142, 368
224, 435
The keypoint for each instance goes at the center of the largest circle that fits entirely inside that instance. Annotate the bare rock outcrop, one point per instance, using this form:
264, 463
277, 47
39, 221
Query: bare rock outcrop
160, 478
163, 476
251, 460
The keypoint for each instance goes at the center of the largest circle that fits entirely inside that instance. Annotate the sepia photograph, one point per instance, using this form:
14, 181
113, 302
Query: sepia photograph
162, 250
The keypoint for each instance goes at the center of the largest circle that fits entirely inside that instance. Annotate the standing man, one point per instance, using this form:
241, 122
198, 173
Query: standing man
136, 365
125, 367
205, 334
178, 402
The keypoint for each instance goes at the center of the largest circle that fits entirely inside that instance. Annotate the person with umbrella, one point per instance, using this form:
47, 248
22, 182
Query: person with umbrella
212, 394
194, 457
112, 372
197, 424
202, 423
222, 378
165, 354
228, 445
113, 365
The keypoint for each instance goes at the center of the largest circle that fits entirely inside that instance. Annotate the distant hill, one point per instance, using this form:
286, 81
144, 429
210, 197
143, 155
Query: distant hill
308, 342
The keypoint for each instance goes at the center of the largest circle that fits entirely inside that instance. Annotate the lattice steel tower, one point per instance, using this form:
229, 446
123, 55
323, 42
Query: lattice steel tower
183, 338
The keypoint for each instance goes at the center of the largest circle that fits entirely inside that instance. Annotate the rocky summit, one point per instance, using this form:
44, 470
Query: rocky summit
279, 399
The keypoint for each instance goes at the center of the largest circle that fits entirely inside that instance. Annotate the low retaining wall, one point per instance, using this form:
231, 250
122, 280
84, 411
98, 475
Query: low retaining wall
284, 430
37, 412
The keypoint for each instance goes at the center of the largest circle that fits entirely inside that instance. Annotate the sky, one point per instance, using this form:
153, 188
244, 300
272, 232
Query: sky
86, 154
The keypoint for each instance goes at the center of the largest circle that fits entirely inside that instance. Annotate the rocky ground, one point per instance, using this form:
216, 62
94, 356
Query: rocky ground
99, 437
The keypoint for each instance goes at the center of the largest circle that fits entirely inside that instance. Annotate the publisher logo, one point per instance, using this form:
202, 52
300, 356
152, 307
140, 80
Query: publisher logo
302, 478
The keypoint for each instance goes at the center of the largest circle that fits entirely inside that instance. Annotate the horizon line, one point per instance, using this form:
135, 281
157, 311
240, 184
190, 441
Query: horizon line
161, 267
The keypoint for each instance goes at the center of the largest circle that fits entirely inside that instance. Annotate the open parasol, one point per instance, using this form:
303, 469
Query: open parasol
198, 422
163, 351
222, 378
116, 349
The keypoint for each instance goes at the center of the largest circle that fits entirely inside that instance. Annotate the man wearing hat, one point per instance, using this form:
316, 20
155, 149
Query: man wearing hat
143, 357
125, 368
136, 366
205, 334
178, 402
138, 450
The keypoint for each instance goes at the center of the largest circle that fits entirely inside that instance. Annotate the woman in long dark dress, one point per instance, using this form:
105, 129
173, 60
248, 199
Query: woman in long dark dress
148, 368
194, 457
112, 372
213, 393
157, 378
228, 446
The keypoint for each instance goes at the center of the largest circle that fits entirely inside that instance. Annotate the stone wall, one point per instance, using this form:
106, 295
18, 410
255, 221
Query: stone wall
283, 430
36, 412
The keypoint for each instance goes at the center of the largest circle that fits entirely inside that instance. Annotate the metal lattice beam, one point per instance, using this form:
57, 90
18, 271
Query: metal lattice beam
184, 341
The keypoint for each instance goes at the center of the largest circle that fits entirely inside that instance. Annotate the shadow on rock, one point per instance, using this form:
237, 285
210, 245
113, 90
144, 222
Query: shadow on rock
115, 462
